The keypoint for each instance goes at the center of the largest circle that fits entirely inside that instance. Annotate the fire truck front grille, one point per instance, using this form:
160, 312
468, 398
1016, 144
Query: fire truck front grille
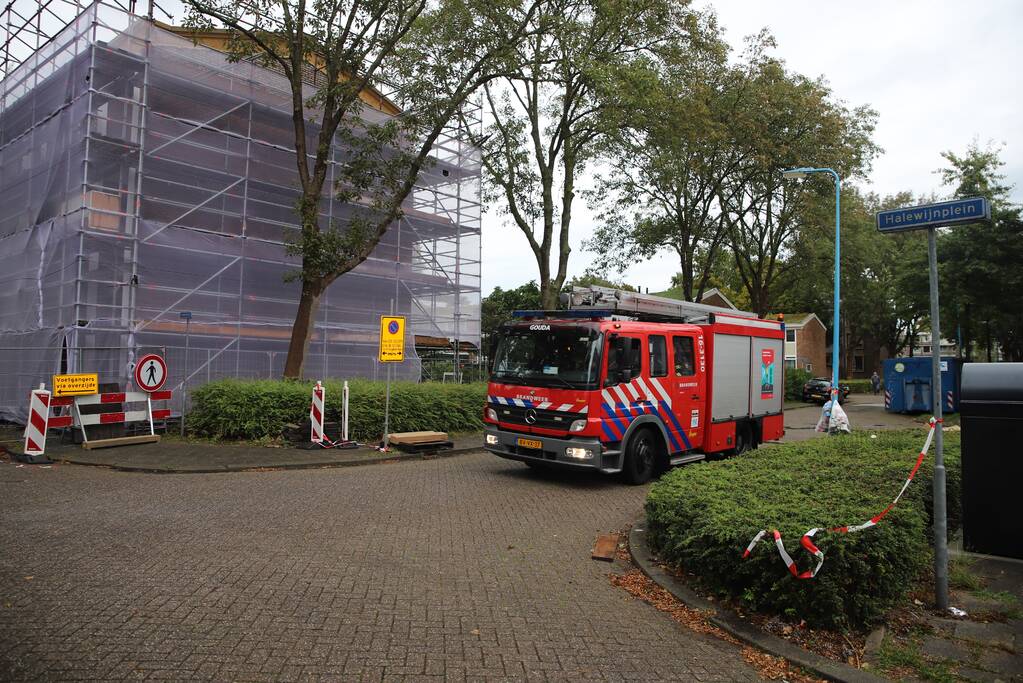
547, 419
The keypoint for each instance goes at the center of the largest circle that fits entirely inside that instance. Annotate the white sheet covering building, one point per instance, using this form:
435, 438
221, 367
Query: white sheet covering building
143, 175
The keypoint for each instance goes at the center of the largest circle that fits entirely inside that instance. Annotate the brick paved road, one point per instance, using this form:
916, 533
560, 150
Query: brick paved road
466, 567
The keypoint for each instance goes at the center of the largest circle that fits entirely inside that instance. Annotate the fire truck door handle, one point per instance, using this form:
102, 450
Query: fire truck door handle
695, 397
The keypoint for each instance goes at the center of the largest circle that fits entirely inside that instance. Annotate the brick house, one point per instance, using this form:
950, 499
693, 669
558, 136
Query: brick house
805, 343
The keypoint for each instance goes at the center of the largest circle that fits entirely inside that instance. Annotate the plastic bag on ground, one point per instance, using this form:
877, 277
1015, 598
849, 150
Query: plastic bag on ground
834, 420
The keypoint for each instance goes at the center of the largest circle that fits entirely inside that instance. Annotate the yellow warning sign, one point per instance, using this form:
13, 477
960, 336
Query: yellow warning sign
392, 338
76, 385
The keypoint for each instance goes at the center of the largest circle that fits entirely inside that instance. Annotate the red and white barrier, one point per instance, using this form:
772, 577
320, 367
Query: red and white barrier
808, 544
316, 414
38, 418
42, 402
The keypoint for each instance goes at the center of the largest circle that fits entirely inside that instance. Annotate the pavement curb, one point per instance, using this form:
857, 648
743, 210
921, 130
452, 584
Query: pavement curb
383, 458
729, 622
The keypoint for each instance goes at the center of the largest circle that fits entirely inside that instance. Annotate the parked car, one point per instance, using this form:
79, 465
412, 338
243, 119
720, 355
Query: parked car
819, 389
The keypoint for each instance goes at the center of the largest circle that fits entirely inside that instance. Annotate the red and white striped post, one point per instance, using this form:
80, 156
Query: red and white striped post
316, 414
38, 417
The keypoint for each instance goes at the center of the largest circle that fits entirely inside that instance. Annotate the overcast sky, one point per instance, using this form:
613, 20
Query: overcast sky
939, 74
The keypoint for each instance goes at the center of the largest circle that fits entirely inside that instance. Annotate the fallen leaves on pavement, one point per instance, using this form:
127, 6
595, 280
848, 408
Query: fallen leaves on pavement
637, 584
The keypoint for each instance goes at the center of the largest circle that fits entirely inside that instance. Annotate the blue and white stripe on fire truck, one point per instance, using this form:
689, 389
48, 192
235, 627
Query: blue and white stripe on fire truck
623, 403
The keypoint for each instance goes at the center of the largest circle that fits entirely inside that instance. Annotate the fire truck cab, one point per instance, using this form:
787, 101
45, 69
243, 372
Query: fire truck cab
628, 383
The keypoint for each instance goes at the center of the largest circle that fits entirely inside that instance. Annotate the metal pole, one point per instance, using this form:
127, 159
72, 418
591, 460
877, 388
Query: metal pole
387, 396
940, 512
838, 253
188, 322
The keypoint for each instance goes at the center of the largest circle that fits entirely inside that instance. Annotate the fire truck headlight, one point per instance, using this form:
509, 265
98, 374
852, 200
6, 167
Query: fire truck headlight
579, 453
491, 414
491, 439
577, 426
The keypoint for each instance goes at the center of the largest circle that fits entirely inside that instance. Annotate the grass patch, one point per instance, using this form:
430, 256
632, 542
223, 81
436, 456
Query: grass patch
961, 575
896, 657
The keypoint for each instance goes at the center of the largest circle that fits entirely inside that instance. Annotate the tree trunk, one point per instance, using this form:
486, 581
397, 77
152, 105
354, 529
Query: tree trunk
302, 332
549, 296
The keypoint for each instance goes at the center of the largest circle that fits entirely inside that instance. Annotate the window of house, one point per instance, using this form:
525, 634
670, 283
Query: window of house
927, 349
658, 356
858, 363
790, 335
683, 351
790, 363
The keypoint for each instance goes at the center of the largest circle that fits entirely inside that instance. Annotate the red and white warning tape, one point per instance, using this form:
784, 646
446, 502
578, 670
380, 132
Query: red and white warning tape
808, 544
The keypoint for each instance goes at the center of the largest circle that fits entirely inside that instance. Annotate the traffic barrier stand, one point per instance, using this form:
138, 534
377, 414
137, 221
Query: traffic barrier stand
316, 415
806, 541
146, 415
35, 428
345, 442
318, 434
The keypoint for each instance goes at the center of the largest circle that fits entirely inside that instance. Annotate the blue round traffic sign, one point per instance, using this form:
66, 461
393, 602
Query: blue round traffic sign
392, 327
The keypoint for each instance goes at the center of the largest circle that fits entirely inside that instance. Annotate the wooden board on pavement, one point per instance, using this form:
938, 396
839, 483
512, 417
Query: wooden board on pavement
605, 547
415, 438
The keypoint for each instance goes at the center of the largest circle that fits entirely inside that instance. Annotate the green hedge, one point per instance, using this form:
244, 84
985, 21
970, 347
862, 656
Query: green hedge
795, 378
858, 386
701, 518
237, 409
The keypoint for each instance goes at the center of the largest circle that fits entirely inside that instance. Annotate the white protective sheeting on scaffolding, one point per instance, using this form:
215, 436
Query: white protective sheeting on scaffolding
144, 175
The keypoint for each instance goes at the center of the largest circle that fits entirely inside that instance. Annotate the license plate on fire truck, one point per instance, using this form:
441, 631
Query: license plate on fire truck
529, 443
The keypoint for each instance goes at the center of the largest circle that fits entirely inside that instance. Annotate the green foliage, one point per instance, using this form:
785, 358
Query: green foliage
241, 409
858, 386
702, 517
497, 308
979, 262
795, 378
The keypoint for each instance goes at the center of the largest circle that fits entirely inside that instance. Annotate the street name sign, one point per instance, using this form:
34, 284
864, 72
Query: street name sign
392, 339
81, 384
934, 215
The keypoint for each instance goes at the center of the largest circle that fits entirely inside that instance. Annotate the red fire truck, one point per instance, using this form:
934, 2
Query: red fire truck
630, 383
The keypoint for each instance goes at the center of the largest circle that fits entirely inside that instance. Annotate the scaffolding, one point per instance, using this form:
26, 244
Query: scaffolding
144, 175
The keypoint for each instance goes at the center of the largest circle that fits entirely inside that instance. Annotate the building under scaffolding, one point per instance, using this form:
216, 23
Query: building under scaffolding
143, 175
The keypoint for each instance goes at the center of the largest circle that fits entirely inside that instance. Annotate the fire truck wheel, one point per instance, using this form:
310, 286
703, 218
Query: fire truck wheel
641, 457
743, 438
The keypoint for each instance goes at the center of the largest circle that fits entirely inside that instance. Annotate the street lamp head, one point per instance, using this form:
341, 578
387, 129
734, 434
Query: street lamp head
795, 173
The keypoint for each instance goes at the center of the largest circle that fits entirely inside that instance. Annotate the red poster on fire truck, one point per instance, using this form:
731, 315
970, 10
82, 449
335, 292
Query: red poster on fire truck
767, 373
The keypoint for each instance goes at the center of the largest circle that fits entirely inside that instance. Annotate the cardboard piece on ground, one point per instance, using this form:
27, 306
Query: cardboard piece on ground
121, 441
412, 438
605, 547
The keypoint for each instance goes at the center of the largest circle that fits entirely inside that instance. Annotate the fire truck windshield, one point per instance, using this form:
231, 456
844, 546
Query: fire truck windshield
548, 355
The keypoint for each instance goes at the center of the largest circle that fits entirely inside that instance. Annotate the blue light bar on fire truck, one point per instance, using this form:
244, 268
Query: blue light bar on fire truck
582, 313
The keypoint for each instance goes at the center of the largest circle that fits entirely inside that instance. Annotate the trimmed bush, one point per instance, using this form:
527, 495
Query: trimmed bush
701, 518
243, 409
795, 378
859, 386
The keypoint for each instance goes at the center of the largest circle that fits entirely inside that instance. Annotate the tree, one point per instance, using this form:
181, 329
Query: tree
672, 147
437, 54
980, 262
497, 308
790, 121
544, 116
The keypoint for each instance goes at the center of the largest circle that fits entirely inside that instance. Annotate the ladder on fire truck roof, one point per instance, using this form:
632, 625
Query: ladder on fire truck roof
596, 301
646, 306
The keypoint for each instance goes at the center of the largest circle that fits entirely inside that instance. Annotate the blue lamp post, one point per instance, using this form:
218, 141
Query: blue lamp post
794, 173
